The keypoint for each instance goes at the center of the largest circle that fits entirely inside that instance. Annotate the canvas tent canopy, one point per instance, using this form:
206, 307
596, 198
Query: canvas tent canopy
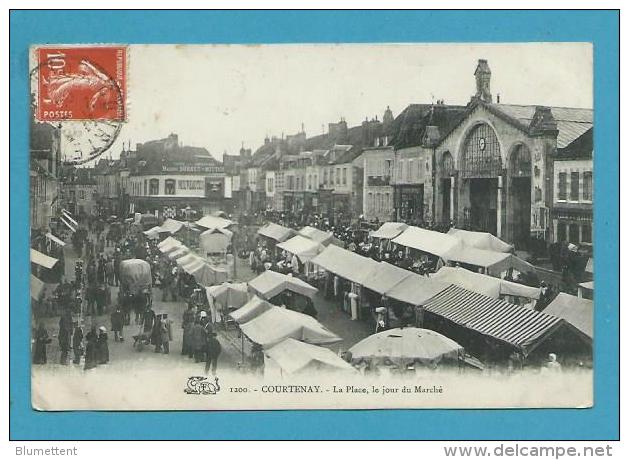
431, 242
37, 288
209, 275
384, 277
589, 266
187, 259
317, 235
415, 289
407, 345
577, 311
214, 222
152, 233
170, 226
302, 247
253, 308
277, 324
178, 253
345, 264
493, 262
389, 230
42, 259
55, 239
168, 244
276, 232
587, 285
231, 295
294, 357
269, 284
517, 326
194, 265
215, 240
484, 284
480, 240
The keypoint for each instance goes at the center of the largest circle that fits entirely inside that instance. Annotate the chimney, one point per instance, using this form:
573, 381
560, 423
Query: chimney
498, 98
483, 80
543, 122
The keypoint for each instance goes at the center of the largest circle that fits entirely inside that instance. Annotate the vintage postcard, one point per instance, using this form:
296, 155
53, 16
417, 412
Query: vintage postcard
229, 227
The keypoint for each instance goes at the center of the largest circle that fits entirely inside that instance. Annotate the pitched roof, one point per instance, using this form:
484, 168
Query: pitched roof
409, 127
572, 123
577, 311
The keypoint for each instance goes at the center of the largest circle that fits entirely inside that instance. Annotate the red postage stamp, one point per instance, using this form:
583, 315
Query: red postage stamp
81, 83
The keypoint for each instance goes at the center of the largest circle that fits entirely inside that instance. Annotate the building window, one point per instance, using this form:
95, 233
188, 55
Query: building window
169, 187
538, 194
561, 232
344, 176
573, 233
331, 176
409, 171
154, 187
574, 186
81, 194
338, 176
481, 155
146, 183
586, 233
587, 186
563, 186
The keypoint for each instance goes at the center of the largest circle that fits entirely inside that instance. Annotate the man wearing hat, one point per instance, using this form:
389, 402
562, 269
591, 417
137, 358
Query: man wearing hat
166, 333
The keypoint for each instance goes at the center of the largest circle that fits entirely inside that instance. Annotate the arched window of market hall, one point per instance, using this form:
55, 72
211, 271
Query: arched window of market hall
520, 161
481, 153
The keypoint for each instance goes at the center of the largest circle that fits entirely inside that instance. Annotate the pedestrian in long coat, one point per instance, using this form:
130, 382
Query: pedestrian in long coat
64, 344
213, 351
91, 339
41, 340
166, 334
198, 341
102, 347
77, 343
156, 333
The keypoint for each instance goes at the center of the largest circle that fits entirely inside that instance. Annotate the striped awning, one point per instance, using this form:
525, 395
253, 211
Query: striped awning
515, 325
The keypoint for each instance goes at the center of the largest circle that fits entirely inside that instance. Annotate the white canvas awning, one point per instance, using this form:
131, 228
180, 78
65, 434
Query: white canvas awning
277, 324
253, 308
304, 248
389, 230
170, 226
152, 233
179, 252
54, 239
214, 222
168, 244
416, 289
37, 288
484, 284
294, 357
345, 264
276, 232
577, 311
215, 240
270, 283
480, 240
384, 277
317, 235
438, 244
42, 259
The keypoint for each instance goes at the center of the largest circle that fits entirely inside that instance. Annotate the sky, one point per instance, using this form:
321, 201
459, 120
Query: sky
222, 96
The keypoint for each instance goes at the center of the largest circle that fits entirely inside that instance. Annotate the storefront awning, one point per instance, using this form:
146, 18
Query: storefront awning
389, 230
54, 239
577, 311
345, 264
42, 259
438, 244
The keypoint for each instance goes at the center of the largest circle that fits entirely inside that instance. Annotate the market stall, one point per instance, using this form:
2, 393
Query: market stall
406, 349
480, 240
214, 222
215, 241
292, 357
319, 236
277, 324
489, 286
577, 311
253, 308
270, 284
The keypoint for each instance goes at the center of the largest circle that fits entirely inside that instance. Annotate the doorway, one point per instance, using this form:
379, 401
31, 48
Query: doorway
483, 201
